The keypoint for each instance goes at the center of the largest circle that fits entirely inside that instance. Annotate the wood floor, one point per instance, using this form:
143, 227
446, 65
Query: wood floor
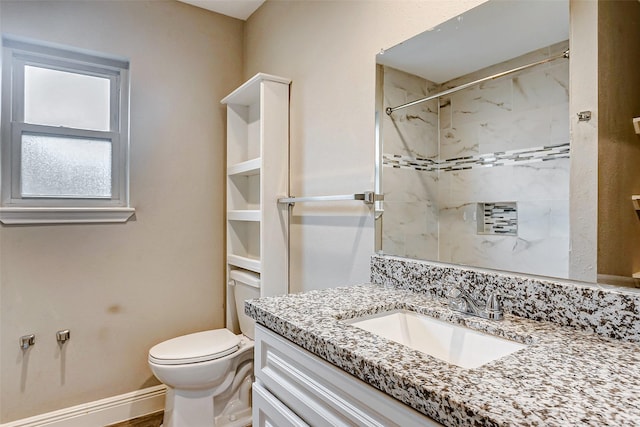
150, 420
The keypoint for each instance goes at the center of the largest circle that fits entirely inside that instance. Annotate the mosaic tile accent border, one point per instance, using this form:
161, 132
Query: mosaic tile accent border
500, 158
606, 311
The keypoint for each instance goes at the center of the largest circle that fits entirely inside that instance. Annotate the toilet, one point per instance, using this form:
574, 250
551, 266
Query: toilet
209, 374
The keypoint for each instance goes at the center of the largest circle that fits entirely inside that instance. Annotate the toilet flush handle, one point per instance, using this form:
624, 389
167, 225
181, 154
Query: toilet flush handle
231, 282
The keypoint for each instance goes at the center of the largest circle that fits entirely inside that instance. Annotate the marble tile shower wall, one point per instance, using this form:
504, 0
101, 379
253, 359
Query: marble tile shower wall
410, 222
516, 113
528, 109
606, 311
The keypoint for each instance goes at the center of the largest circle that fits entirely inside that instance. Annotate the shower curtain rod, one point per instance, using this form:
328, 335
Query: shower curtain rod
390, 110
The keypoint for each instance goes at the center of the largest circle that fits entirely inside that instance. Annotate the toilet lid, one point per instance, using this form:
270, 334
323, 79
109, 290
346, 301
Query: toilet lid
193, 348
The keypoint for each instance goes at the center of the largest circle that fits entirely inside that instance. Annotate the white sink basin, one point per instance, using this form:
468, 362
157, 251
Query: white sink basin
443, 340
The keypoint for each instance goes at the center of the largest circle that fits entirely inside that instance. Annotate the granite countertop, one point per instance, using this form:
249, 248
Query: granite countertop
564, 377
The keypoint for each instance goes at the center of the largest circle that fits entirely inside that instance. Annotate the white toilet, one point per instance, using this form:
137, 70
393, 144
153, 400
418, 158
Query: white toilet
209, 374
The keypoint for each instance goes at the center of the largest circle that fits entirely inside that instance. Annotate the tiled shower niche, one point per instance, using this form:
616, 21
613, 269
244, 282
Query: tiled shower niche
502, 140
499, 218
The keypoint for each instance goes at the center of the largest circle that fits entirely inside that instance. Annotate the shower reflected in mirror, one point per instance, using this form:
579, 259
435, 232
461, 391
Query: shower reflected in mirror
476, 172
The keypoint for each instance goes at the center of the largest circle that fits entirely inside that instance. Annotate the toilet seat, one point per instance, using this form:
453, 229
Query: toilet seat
194, 348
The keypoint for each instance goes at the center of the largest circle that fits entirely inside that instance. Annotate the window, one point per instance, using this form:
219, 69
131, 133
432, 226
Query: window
65, 129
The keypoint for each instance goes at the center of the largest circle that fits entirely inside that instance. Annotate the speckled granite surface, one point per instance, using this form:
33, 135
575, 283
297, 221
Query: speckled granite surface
565, 377
604, 310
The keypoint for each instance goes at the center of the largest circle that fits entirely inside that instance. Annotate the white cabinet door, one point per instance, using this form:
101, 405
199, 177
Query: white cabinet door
268, 411
322, 394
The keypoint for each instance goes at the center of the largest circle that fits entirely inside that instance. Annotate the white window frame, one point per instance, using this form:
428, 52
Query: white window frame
15, 209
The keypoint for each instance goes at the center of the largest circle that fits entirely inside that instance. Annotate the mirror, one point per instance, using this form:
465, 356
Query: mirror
479, 175
511, 173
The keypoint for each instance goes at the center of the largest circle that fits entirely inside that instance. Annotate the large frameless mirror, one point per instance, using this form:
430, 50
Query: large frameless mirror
477, 171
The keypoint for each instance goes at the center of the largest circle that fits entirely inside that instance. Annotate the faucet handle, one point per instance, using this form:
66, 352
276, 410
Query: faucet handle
494, 306
457, 300
493, 302
454, 292
499, 297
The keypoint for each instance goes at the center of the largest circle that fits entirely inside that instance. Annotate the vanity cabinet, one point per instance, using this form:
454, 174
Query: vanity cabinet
257, 175
296, 388
269, 411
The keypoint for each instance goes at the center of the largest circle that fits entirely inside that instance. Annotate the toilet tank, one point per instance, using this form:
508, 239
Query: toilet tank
246, 285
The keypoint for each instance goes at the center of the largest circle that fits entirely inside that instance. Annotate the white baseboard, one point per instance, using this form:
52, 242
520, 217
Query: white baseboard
100, 412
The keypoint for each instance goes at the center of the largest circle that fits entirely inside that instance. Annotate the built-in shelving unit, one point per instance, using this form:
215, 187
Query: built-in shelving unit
257, 176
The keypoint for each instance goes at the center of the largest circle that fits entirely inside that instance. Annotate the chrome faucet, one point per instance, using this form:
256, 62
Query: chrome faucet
462, 301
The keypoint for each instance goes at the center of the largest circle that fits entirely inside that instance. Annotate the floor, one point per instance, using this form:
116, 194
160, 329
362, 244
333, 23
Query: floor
150, 420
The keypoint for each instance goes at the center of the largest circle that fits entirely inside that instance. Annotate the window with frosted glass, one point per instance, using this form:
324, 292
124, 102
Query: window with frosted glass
61, 98
58, 166
55, 166
66, 134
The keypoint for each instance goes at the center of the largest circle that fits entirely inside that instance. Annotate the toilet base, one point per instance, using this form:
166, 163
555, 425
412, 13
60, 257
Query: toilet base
188, 408
237, 409
241, 419
211, 407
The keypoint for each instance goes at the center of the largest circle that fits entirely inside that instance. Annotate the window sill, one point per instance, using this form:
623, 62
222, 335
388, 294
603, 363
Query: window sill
50, 215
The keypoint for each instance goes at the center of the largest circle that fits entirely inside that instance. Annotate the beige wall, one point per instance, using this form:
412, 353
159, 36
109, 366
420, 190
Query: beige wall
122, 288
619, 146
328, 49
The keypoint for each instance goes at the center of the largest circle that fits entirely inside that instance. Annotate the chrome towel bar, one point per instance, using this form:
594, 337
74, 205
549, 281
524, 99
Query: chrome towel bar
368, 197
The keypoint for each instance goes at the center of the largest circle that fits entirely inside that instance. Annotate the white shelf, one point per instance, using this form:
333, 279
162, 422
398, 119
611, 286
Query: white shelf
248, 168
243, 215
249, 92
636, 202
244, 262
